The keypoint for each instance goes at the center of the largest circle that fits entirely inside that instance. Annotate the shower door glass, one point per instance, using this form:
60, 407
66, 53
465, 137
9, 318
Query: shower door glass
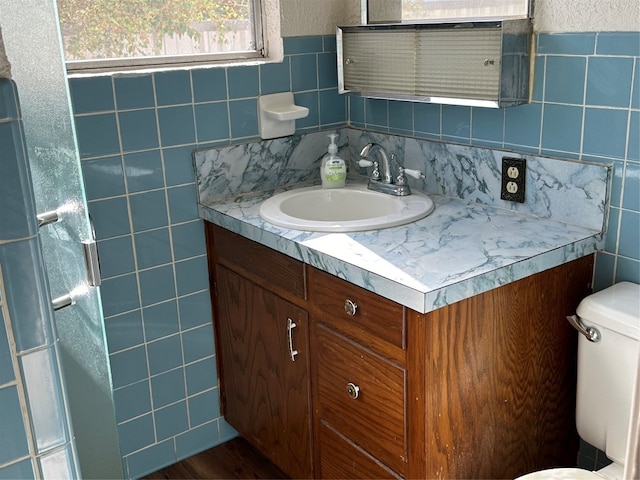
32, 42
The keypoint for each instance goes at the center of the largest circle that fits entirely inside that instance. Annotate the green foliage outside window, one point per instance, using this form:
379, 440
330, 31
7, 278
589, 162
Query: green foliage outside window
95, 29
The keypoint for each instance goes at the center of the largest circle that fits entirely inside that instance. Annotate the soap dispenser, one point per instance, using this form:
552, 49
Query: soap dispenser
333, 170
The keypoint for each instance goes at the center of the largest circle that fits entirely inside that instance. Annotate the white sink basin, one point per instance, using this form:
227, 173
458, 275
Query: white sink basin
353, 208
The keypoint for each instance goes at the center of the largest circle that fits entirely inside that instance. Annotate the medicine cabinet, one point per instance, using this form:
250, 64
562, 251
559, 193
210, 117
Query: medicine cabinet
478, 63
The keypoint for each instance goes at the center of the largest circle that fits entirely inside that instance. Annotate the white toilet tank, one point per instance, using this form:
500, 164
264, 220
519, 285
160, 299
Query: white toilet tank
607, 368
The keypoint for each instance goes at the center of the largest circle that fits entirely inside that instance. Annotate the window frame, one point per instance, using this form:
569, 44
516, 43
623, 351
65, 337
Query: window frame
137, 64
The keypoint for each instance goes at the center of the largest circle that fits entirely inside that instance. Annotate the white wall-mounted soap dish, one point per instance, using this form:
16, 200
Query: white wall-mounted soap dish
277, 115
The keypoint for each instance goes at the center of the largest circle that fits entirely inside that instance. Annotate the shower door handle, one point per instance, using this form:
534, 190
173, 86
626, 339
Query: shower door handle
92, 262
91, 258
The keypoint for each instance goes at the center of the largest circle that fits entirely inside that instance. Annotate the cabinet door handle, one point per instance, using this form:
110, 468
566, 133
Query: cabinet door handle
290, 326
353, 390
350, 307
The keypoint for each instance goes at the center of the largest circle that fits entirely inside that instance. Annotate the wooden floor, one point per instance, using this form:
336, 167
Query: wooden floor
231, 460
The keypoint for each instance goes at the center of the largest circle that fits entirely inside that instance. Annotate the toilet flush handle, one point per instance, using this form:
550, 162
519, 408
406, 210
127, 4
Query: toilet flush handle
592, 333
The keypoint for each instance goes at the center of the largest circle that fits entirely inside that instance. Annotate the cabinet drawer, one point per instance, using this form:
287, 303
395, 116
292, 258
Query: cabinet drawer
375, 419
373, 314
265, 266
339, 459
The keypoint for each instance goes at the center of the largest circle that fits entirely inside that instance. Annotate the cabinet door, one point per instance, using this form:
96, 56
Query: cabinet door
265, 390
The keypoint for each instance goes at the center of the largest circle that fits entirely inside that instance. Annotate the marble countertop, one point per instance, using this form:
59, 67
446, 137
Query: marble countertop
463, 248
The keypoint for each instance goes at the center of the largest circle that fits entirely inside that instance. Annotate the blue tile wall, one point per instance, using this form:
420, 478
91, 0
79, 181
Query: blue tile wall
22, 469
14, 180
136, 135
7, 374
162, 454
21, 263
13, 435
586, 101
169, 388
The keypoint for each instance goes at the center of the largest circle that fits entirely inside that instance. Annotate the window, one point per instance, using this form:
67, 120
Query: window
107, 35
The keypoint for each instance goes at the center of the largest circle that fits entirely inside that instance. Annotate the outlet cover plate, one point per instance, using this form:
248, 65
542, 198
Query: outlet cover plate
513, 179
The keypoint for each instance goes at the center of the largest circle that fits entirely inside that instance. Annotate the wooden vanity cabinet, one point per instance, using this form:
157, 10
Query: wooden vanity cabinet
262, 349
498, 378
482, 388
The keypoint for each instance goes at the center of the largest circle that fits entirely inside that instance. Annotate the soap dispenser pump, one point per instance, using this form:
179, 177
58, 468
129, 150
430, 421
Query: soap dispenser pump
333, 170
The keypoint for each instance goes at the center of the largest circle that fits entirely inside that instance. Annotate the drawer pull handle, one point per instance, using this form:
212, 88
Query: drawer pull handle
292, 352
350, 307
353, 390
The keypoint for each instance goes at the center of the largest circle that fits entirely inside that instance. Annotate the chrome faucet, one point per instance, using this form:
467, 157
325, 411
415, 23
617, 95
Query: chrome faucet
386, 166
382, 178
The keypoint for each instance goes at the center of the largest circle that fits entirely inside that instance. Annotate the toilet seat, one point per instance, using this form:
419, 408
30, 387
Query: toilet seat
613, 471
562, 474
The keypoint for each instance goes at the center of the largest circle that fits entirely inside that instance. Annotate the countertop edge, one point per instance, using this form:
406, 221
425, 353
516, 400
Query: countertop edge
422, 302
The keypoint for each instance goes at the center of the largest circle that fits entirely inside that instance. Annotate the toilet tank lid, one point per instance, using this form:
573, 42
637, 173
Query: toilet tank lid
616, 308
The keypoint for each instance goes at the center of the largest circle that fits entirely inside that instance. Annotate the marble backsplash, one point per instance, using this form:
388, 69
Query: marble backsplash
568, 191
262, 166
564, 190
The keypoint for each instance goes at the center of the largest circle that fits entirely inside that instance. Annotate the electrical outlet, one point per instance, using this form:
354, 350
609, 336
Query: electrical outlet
513, 179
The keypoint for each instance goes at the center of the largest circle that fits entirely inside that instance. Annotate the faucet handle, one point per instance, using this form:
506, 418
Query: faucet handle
375, 174
403, 172
401, 179
414, 173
